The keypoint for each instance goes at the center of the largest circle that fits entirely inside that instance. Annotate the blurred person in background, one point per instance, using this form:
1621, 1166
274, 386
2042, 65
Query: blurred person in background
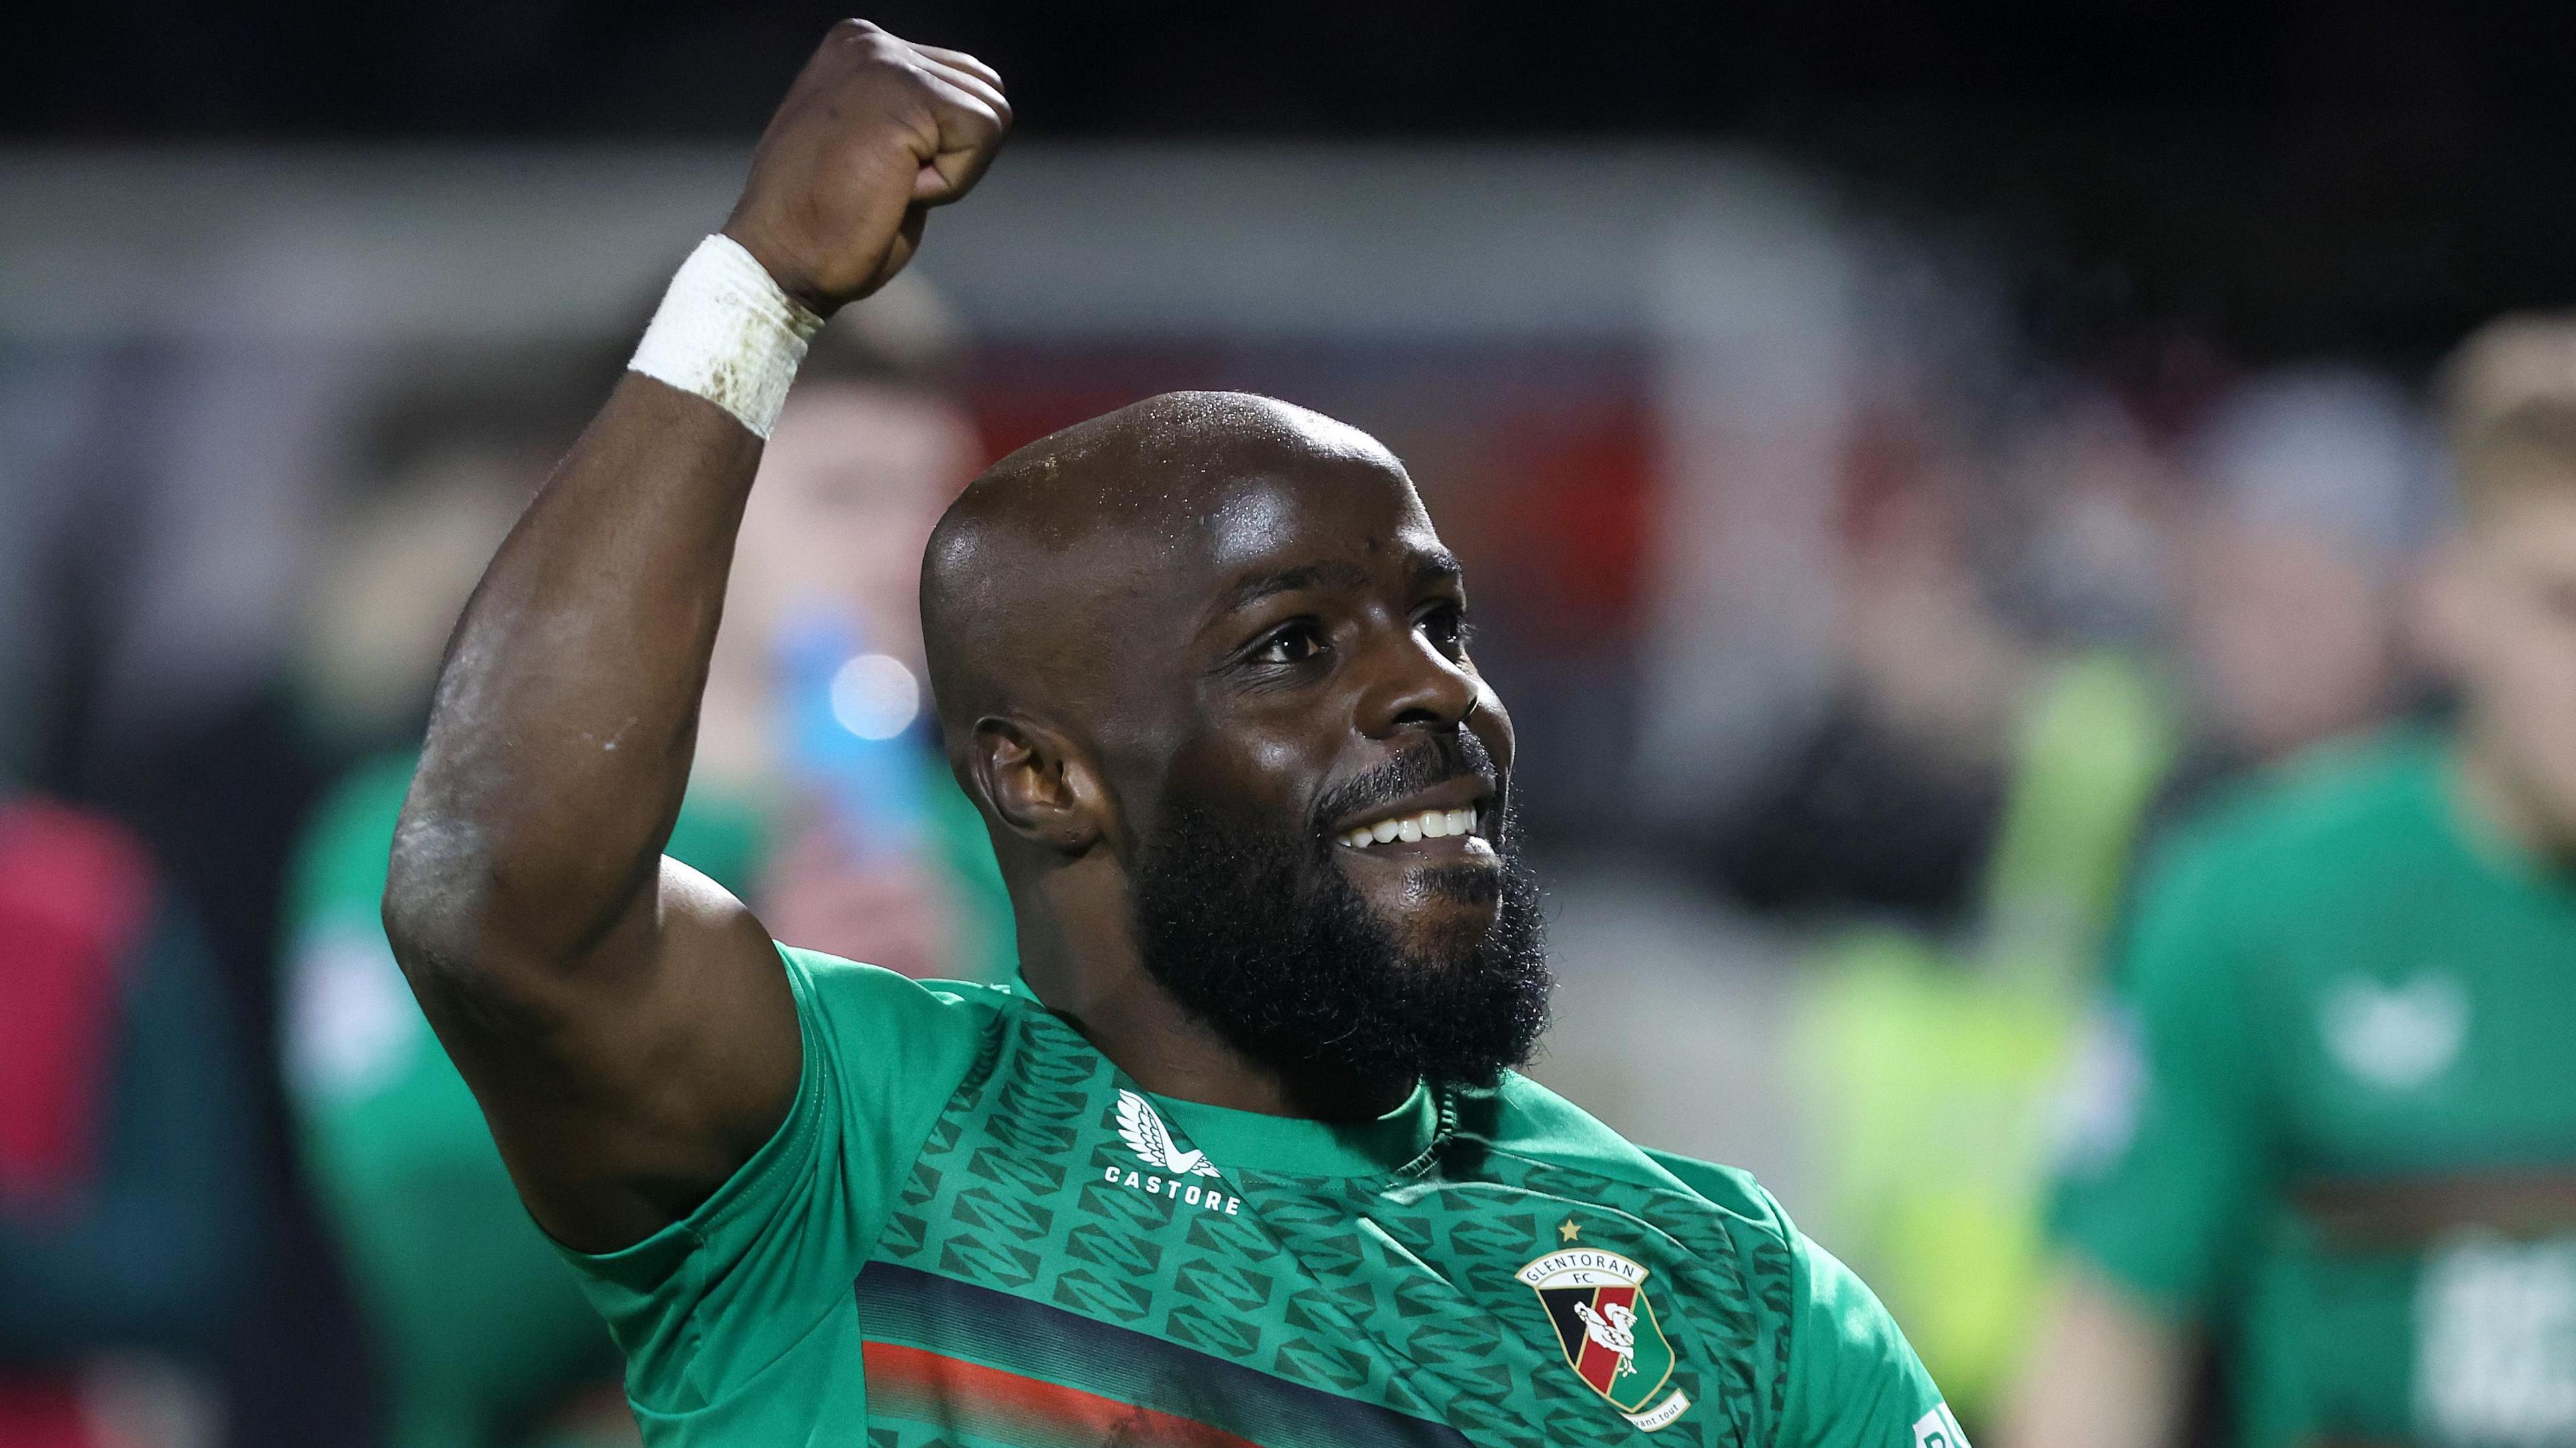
2291, 569
1887, 803
2006, 737
2328, 1126
127, 1149
814, 790
1969, 819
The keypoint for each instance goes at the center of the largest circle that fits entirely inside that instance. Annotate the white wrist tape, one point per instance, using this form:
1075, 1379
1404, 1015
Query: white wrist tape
727, 333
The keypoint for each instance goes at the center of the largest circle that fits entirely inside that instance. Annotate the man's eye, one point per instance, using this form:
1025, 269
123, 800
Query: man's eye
1446, 626
1294, 644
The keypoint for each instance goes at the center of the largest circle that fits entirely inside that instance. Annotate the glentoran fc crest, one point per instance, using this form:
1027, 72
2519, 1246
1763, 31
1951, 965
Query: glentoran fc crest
1596, 1300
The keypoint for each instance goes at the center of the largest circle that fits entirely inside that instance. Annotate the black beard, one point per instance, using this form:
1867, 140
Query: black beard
1256, 932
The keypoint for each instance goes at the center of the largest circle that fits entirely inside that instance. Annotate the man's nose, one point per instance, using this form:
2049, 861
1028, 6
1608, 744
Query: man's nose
1415, 686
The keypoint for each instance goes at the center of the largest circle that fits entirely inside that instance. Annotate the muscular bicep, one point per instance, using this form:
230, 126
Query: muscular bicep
625, 1086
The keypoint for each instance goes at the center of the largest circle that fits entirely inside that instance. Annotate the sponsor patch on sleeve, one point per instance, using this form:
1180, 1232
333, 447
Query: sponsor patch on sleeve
1937, 1429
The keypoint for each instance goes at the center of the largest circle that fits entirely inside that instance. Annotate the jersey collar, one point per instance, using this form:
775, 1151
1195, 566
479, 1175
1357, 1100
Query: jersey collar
1295, 1146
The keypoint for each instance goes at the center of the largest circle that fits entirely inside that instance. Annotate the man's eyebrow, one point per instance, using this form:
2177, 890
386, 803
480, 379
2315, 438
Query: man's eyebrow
1436, 565
1250, 591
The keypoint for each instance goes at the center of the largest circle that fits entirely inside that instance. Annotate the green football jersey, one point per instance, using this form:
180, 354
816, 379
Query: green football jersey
2333, 1121
973, 1230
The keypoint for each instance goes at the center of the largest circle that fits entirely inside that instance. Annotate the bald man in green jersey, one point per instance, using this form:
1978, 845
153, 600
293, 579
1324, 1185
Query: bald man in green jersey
1241, 1158
2331, 1125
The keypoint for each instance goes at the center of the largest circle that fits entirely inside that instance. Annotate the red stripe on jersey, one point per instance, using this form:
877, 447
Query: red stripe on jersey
966, 1397
1599, 1365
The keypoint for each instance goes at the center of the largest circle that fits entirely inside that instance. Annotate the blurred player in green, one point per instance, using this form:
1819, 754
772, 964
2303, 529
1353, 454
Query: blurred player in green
2330, 1127
857, 844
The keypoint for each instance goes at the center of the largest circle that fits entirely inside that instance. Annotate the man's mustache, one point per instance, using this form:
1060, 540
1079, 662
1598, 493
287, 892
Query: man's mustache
1436, 760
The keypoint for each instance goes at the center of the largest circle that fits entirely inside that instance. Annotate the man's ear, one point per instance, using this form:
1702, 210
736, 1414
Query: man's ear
1038, 784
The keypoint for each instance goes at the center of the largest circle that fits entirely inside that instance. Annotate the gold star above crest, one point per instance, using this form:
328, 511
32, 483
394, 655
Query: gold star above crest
1568, 1229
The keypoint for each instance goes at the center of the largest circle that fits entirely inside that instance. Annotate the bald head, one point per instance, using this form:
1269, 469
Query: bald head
1027, 577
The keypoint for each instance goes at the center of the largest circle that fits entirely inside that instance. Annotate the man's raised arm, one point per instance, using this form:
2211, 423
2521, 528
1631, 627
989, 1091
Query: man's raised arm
624, 1022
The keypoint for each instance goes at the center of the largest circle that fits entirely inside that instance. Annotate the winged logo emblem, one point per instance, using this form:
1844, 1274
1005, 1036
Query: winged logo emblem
1143, 1131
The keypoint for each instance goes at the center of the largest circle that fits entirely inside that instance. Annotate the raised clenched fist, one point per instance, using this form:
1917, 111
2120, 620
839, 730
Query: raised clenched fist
874, 133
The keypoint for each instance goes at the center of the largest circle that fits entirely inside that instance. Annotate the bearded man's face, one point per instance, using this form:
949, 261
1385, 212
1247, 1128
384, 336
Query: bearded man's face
1255, 928
1279, 693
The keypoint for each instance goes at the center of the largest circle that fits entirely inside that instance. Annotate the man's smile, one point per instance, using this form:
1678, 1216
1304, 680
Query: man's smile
1450, 823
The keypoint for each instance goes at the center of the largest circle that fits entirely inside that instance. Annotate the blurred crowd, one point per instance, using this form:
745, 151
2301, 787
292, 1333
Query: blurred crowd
1850, 707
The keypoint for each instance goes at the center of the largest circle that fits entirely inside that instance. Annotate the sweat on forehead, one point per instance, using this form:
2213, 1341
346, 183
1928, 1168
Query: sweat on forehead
1039, 548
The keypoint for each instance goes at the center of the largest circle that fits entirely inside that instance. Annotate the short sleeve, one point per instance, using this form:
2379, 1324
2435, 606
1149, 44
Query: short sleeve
704, 1306
2158, 1172
1854, 1381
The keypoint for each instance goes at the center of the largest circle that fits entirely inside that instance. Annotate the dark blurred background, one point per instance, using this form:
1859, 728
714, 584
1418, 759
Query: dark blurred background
2291, 175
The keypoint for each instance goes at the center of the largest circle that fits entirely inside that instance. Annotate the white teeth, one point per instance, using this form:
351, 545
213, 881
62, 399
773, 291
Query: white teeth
1429, 824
